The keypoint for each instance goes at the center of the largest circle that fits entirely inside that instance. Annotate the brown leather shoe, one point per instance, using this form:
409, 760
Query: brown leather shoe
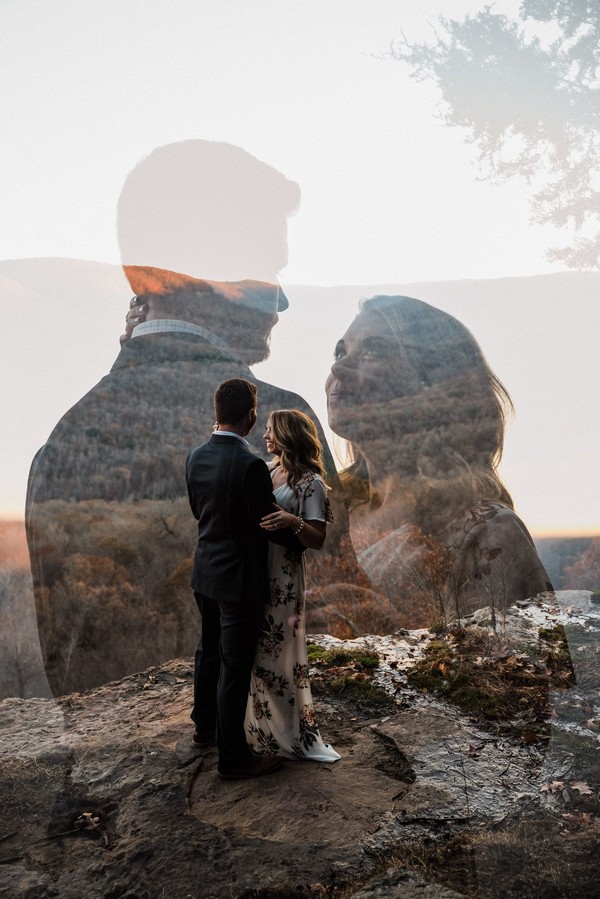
204, 740
254, 767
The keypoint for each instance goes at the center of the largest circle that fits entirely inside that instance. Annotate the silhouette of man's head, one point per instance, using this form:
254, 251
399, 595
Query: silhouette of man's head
206, 209
202, 228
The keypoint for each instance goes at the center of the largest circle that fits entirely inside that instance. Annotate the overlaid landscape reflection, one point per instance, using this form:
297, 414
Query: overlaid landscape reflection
432, 523
109, 532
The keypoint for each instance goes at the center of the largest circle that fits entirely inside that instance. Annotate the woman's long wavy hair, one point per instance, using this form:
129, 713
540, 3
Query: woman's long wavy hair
296, 436
458, 418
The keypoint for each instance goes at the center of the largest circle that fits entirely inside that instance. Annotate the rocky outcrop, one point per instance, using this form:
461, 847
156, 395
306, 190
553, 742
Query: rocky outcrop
104, 795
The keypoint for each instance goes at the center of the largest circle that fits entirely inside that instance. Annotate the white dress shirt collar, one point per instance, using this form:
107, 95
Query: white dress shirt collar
231, 434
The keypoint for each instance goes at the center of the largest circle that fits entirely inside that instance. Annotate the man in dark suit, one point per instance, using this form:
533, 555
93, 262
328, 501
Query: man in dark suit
230, 491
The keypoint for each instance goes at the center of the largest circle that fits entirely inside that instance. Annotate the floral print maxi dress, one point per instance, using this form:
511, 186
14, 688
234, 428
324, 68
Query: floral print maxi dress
280, 718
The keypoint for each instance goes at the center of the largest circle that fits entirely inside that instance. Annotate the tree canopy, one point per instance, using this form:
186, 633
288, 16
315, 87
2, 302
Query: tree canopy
530, 105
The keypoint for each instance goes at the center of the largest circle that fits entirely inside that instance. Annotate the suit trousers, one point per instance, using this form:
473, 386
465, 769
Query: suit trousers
222, 668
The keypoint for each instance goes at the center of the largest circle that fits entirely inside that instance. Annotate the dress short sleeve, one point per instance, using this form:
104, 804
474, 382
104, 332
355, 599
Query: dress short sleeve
313, 503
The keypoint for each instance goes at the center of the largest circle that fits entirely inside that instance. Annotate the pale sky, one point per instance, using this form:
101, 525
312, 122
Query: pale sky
388, 193
389, 196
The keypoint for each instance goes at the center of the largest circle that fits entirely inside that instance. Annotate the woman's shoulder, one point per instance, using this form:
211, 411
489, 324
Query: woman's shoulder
488, 517
310, 480
312, 494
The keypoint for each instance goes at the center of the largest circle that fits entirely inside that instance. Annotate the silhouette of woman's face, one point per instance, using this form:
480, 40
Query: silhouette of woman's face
369, 369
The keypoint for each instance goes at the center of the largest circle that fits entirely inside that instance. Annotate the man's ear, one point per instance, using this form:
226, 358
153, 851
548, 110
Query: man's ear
252, 416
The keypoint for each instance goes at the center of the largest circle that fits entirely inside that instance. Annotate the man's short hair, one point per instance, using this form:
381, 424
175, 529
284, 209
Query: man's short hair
234, 399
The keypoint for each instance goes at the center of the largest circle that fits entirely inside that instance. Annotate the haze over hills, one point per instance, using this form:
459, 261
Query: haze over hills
13, 546
63, 319
556, 553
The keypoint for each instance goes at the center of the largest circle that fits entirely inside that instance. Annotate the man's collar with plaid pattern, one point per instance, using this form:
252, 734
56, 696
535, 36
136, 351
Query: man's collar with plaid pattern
176, 326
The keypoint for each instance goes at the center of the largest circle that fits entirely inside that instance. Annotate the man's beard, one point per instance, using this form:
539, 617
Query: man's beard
253, 353
252, 341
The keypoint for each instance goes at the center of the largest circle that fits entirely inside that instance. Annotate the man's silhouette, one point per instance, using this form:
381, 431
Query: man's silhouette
202, 229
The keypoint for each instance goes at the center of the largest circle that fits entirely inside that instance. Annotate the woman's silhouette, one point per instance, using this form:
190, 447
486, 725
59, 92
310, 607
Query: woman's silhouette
432, 522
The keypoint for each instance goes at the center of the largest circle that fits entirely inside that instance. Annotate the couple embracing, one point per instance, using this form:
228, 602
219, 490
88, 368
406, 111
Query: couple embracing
251, 688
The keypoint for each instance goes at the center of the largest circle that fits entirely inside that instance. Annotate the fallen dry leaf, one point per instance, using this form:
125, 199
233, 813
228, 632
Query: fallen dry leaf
578, 817
582, 788
512, 661
87, 821
555, 786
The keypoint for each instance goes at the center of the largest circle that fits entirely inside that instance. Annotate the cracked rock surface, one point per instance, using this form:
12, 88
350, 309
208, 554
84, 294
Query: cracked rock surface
104, 794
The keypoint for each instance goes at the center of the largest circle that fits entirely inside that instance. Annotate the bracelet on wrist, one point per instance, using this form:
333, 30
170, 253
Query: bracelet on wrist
300, 526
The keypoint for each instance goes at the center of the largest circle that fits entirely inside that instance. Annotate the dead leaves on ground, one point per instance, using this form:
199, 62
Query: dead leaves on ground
560, 787
493, 681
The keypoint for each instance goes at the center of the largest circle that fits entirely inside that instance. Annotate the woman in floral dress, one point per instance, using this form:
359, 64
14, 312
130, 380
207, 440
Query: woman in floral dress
280, 718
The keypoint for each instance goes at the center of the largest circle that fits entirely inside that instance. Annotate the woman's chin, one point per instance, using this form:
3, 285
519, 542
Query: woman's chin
341, 425
350, 422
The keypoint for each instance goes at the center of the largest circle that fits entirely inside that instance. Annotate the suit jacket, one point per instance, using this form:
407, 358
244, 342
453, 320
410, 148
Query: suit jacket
229, 490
